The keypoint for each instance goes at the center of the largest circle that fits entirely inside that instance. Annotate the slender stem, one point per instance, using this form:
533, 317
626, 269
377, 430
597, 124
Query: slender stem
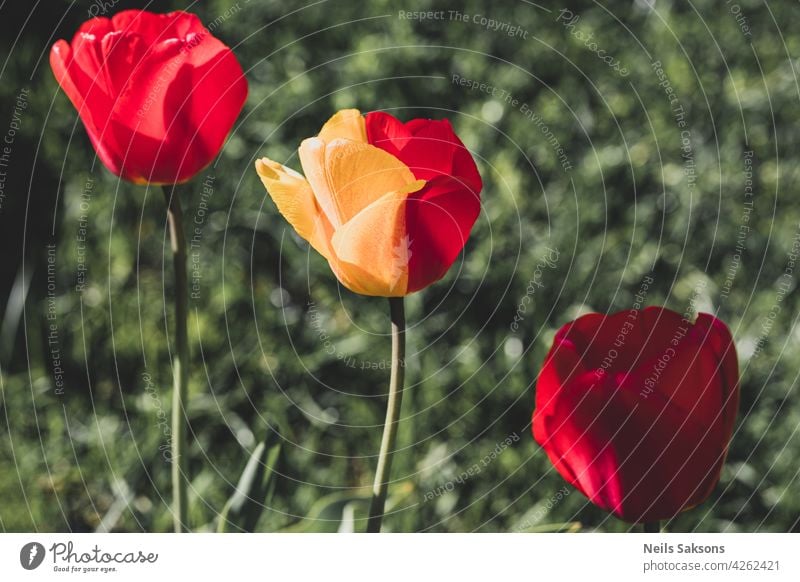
180, 361
383, 471
652, 527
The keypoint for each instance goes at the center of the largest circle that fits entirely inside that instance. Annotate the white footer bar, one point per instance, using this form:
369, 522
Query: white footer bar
400, 557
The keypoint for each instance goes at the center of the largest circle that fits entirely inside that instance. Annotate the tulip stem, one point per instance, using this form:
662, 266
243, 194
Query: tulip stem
180, 361
392, 422
652, 527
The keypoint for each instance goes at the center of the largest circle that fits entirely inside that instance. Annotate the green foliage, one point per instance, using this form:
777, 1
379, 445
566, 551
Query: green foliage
275, 341
255, 488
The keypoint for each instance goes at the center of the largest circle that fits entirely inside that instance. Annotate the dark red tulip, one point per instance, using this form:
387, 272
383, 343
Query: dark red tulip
157, 93
636, 409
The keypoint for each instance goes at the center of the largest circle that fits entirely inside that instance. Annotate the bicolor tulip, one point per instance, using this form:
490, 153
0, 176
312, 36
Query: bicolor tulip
390, 205
636, 409
157, 93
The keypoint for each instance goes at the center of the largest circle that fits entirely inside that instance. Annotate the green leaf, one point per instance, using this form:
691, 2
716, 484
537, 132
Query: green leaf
255, 488
335, 512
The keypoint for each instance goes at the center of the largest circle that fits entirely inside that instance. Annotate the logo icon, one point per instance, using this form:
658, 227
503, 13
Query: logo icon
31, 555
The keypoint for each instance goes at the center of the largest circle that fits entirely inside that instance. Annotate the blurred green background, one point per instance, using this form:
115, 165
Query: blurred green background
587, 199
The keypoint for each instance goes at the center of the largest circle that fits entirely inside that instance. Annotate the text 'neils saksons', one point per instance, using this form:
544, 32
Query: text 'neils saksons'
665, 548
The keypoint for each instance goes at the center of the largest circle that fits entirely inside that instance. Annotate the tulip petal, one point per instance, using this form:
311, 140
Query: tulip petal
345, 124
87, 54
159, 27
436, 150
295, 201
218, 90
138, 123
387, 132
347, 176
627, 455
182, 100
667, 463
93, 105
375, 241
638, 336
439, 219
97, 27
720, 341
429, 147
61, 61
122, 55
569, 426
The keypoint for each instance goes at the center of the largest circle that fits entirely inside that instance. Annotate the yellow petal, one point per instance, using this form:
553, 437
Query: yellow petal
346, 124
295, 201
347, 176
372, 249
312, 158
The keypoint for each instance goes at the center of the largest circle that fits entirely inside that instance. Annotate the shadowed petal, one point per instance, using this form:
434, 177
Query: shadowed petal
375, 241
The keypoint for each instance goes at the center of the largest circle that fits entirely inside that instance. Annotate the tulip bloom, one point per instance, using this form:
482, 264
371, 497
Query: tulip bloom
389, 205
636, 409
157, 93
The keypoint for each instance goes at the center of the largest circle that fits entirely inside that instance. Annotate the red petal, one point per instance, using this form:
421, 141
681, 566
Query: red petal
667, 463
567, 426
99, 27
435, 149
621, 341
177, 109
122, 54
429, 147
439, 219
386, 132
88, 95
720, 347
158, 27
209, 110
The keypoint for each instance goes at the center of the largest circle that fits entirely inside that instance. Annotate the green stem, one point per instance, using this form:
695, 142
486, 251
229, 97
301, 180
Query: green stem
180, 361
652, 527
383, 471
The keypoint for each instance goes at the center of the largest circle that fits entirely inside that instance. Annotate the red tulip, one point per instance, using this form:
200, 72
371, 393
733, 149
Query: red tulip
157, 93
636, 409
390, 205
